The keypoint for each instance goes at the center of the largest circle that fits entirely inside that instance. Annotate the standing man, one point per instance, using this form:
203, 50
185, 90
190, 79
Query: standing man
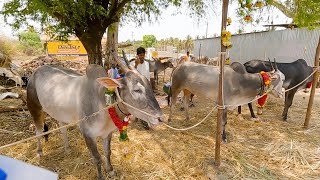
141, 65
188, 57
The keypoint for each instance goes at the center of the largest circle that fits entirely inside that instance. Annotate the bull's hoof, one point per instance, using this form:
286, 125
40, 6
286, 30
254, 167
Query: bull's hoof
224, 138
39, 153
145, 125
224, 141
100, 178
192, 105
67, 150
112, 173
182, 109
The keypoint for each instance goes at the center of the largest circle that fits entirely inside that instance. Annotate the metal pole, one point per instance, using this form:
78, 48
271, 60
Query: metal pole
314, 85
220, 100
207, 30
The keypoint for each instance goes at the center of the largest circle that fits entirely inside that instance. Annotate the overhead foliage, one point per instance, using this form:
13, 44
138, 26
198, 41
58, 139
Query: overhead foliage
304, 13
308, 14
87, 19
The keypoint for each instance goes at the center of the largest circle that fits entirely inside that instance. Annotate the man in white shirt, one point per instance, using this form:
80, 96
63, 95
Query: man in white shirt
141, 65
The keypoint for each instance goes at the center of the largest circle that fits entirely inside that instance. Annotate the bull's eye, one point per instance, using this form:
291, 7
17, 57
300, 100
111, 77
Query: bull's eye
137, 90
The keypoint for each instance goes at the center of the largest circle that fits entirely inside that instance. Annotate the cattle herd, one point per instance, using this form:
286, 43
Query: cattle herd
74, 96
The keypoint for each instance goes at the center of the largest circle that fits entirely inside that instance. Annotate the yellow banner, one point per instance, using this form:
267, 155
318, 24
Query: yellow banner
66, 50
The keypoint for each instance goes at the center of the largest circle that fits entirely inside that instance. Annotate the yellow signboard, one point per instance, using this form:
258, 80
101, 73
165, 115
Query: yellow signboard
155, 54
66, 50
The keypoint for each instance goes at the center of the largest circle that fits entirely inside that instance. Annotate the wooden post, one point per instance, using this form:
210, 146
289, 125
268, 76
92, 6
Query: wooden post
220, 100
314, 85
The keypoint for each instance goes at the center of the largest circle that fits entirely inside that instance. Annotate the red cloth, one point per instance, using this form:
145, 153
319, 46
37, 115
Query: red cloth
266, 78
116, 120
262, 101
309, 84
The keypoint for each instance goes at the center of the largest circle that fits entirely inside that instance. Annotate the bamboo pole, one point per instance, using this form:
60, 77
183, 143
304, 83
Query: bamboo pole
314, 85
220, 100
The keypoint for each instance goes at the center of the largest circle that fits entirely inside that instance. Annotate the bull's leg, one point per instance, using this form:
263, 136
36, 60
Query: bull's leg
38, 119
287, 103
173, 102
224, 123
107, 151
186, 94
191, 100
92, 146
251, 110
164, 74
65, 138
156, 77
239, 109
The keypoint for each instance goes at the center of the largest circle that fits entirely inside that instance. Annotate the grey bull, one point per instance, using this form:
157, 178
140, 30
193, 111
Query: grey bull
239, 68
203, 80
68, 96
157, 66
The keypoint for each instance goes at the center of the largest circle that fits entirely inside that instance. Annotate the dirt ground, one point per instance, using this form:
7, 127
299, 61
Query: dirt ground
265, 149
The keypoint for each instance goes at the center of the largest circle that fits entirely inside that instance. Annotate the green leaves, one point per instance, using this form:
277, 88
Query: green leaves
308, 14
149, 40
31, 39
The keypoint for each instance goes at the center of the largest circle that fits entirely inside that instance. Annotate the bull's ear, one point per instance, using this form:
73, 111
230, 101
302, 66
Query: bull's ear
109, 82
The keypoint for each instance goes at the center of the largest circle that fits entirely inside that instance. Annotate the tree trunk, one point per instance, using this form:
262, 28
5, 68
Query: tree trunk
112, 44
91, 40
94, 49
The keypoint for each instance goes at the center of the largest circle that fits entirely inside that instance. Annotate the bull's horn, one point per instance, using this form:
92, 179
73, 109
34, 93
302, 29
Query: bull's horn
122, 66
271, 64
275, 64
126, 60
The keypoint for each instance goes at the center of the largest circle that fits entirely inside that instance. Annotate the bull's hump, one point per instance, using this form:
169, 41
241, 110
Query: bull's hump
59, 70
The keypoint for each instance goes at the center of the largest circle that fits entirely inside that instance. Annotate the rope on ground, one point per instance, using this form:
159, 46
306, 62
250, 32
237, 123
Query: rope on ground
51, 131
188, 128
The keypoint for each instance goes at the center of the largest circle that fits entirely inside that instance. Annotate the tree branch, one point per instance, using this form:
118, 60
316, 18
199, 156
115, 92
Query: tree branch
123, 3
286, 11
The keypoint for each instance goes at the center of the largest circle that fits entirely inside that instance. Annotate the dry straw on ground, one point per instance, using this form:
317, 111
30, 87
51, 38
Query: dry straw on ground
267, 149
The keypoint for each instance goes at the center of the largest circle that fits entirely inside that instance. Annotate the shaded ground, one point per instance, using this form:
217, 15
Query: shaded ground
269, 149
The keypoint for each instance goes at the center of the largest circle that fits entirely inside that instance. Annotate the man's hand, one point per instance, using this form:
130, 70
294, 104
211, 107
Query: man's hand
137, 62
